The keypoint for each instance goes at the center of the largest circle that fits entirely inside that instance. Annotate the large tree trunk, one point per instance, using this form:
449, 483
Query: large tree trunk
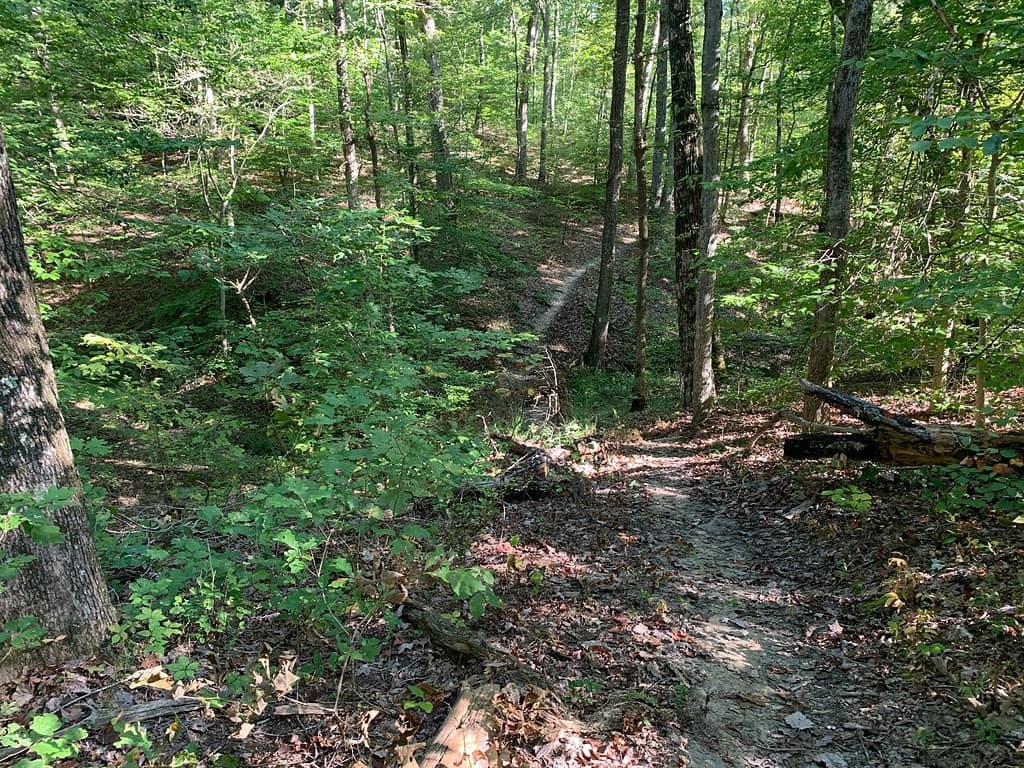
838, 193
704, 393
348, 134
687, 184
523, 97
597, 348
58, 582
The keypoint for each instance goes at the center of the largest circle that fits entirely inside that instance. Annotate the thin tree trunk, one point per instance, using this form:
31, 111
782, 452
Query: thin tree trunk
687, 185
523, 96
660, 121
704, 394
780, 81
435, 101
371, 138
639, 400
411, 167
348, 134
546, 95
57, 579
597, 348
744, 140
838, 193
481, 62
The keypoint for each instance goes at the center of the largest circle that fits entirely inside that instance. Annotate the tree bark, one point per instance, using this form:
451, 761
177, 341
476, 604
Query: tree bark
371, 138
744, 142
660, 122
640, 79
597, 348
547, 106
435, 101
687, 184
704, 394
348, 134
897, 440
838, 193
523, 97
60, 584
411, 166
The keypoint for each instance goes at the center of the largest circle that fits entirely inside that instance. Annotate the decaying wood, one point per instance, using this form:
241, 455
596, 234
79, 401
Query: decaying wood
445, 634
466, 737
897, 440
808, 426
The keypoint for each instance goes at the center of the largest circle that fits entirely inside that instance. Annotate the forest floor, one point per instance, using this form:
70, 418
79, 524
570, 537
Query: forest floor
671, 597
703, 604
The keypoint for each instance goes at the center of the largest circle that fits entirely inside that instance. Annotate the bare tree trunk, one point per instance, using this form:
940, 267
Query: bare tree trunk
704, 394
411, 167
838, 193
597, 348
523, 97
660, 121
744, 140
547, 107
348, 134
687, 184
57, 585
371, 137
435, 101
639, 400
780, 81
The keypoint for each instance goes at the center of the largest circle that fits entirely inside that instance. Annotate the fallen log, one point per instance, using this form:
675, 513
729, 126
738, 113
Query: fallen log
894, 439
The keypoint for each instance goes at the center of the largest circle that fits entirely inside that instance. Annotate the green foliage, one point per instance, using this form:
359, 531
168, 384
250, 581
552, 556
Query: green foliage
850, 498
44, 737
957, 491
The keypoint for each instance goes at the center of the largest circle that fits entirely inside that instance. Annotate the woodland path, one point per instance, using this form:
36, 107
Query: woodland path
689, 624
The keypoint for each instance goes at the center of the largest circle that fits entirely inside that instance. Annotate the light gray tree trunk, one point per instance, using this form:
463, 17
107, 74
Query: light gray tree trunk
348, 134
641, 70
597, 348
838, 194
435, 101
523, 97
704, 393
57, 582
660, 122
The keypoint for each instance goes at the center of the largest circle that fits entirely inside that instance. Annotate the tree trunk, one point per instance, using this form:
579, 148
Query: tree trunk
371, 138
435, 102
411, 167
744, 142
687, 184
348, 134
704, 393
660, 122
597, 348
780, 81
639, 400
838, 193
57, 581
546, 106
523, 97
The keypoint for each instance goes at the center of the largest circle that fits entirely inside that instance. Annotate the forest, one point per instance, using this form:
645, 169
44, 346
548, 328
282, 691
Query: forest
418, 383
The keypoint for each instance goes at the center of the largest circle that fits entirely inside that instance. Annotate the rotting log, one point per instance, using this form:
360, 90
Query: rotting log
895, 439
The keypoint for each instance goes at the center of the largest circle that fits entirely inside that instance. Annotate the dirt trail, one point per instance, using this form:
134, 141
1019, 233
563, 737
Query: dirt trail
683, 629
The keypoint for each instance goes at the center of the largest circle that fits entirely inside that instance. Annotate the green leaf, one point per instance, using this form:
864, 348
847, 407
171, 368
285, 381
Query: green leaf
45, 725
920, 146
992, 144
